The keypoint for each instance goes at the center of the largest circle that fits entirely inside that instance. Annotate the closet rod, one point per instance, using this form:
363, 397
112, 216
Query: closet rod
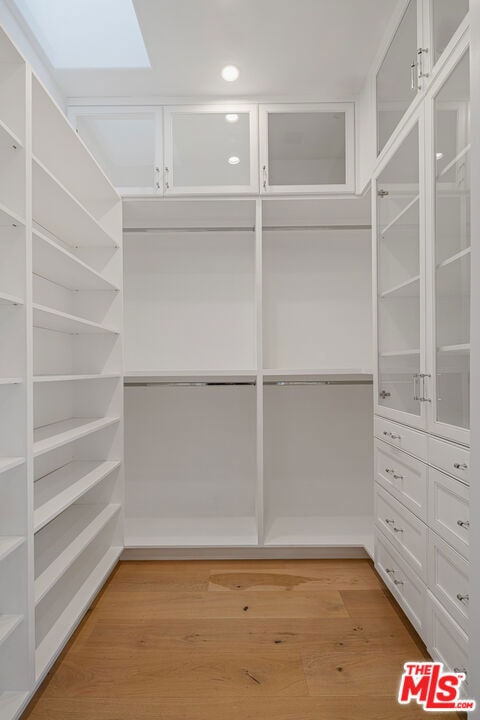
284, 383
175, 383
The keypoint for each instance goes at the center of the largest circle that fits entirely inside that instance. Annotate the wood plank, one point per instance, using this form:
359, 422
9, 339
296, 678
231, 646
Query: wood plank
368, 603
171, 605
286, 708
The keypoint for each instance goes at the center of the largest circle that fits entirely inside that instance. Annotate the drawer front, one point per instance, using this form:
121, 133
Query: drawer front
447, 643
405, 586
448, 578
410, 441
406, 532
448, 510
449, 457
403, 476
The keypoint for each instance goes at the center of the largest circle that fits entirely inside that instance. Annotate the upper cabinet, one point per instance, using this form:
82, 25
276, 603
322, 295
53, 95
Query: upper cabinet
425, 34
127, 143
307, 148
211, 149
397, 79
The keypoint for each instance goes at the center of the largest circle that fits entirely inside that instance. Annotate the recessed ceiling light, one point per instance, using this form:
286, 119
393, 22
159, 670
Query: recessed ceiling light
234, 160
439, 155
231, 117
230, 73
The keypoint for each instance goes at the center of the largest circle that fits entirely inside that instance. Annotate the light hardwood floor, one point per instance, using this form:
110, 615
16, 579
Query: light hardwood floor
236, 640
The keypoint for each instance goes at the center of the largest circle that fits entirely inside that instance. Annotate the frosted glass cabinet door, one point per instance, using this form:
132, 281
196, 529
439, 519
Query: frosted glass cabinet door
126, 143
211, 149
400, 284
447, 15
306, 148
451, 272
397, 81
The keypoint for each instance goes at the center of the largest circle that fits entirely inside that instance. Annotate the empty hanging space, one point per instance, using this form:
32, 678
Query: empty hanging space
316, 291
190, 288
191, 465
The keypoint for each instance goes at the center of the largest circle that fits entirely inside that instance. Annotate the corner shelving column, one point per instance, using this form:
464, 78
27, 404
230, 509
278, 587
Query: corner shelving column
15, 628
77, 378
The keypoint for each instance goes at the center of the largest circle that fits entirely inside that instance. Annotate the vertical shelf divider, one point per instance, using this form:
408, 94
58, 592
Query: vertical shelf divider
259, 349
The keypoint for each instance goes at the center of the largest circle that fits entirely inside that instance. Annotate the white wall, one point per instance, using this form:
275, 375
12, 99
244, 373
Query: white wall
475, 366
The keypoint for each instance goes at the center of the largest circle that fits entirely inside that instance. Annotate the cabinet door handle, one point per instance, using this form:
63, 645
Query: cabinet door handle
397, 477
464, 524
265, 177
390, 471
397, 530
389, 522
156, 178
463, 598
398, 582
391, 435
167, 184
460, 466
412, 75
389, 571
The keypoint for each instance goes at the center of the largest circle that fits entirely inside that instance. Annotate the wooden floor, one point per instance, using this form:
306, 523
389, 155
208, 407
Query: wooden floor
236, 640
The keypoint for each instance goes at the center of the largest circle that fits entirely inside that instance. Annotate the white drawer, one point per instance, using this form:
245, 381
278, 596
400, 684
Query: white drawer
407, 533
448, 578
411, 441
448, 510
452, 458
403, 476
405, 586
447, 643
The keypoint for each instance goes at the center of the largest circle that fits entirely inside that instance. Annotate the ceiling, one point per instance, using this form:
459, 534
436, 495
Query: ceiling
314, 49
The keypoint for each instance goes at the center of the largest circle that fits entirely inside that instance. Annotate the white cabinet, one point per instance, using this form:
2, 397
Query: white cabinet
127, 142
211, 149
307, 148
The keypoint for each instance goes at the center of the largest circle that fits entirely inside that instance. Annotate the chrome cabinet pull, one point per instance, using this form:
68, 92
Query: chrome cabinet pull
389, 522
397, 530
398, 582
397, 477
384, 394
390, 471
463, 598
423, 397
412, 76
391, 435
265, 177
460, 466
167, 184
389, 571
464, 524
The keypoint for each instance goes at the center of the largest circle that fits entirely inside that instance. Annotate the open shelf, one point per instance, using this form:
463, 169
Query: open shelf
79, 526
454, 258
60, 489
9, 218
49, 319
323, 374
8, 463
12, 300
74, 378
400, 353
190, 532
58, 211
51, 437
401, 214
212, 376
454, 161
9, 545
53, 642
409, 288
56, 264
321, 531
8, 623
8, 139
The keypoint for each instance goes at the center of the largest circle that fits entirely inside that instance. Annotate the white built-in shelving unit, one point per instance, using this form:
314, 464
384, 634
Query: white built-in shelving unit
248, 362
61, 380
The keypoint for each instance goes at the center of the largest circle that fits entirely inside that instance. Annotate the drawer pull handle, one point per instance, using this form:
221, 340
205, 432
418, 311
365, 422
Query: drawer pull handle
460, 670
397, 530
398, 582
460, 466
397, 477
463, 598
389, 522
389, 470
389, 571
391, 435
464, 524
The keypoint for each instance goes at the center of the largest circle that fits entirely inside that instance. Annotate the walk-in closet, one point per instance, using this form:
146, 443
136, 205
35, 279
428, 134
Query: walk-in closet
239, 357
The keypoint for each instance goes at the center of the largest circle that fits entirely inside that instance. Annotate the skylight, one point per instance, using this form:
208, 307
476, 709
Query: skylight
87, 33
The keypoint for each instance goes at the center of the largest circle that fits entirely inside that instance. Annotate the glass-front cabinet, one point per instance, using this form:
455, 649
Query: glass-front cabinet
445, 17
400, 281
307, 148
127, 143
211, 149
449, 163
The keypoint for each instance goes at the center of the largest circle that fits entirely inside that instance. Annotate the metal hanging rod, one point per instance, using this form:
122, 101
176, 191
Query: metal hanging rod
285, 383
243, 228
179, 383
